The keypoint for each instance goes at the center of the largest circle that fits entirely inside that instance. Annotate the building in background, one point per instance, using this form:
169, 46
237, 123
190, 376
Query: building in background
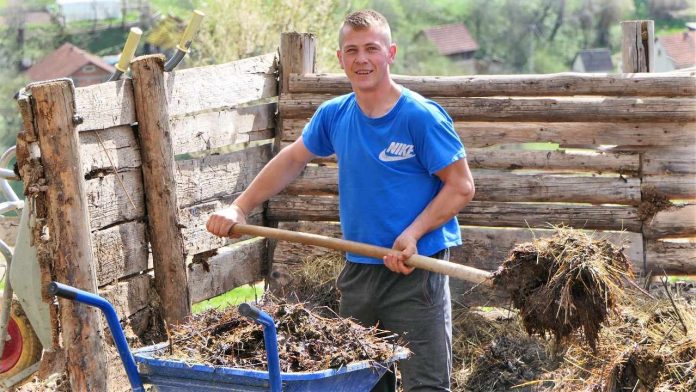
69, 61
453, 41
593, 60
676, 51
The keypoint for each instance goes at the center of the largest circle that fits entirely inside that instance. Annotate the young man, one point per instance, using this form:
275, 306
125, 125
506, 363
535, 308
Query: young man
403, 177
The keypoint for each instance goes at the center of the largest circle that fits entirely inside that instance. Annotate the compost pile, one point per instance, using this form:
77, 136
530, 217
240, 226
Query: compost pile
650, 345
563, 283
306, 341
492, 352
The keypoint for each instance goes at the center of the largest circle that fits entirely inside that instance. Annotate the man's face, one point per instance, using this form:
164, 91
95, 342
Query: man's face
365, 56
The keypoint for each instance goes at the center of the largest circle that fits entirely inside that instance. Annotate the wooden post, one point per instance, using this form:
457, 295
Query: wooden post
297, 56
157, 156
637, 54
69, 230
637, 42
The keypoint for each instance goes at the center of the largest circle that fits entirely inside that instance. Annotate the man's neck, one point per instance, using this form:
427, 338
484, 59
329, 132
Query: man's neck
379, 102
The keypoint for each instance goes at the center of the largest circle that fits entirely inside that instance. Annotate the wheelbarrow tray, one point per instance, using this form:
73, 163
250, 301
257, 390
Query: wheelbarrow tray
173, 375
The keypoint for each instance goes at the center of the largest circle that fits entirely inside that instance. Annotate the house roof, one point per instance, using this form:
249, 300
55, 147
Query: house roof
680, 47
596, 60
451, 39
65, 61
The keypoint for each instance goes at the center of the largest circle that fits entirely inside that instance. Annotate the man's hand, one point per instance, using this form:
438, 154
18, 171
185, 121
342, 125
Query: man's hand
222, 221
407, 245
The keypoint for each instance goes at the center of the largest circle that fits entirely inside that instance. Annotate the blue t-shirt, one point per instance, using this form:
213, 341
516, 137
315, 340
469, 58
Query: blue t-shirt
386, 167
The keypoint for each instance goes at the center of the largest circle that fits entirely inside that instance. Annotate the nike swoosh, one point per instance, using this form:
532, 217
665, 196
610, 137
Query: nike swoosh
391, 158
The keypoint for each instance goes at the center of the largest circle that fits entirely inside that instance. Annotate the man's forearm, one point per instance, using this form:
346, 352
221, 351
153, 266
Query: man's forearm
448, 202
272, 179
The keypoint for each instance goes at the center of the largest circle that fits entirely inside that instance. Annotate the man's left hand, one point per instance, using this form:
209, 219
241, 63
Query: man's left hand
405, 246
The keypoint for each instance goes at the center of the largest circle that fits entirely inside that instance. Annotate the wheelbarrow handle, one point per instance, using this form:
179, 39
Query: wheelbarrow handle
270, 340
454, 270
87, 298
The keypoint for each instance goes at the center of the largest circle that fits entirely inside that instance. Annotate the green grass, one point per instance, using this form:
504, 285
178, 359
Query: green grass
231, 298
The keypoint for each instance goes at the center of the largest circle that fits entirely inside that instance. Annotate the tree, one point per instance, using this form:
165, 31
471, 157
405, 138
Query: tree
255, 26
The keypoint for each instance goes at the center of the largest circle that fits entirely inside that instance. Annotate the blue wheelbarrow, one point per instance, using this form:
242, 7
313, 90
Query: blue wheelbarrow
171, 375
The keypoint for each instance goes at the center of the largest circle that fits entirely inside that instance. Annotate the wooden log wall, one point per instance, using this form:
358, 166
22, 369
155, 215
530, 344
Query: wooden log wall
221, 122
616, 145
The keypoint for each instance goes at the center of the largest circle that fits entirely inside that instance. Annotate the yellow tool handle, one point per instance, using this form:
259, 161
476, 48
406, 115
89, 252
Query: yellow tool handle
129, 49
191, 30
459, 271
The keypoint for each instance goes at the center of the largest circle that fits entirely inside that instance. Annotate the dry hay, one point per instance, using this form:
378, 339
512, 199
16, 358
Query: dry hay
493, 353
564, 283
306, 341
314, 282
643, 348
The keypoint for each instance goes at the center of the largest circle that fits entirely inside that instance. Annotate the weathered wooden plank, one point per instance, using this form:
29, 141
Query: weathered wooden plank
492, 185
567, 109
104, 150
120, 251
233, 266
110, 200
128, 296
674, 160
484, 134
214, 176
675, 222
193, 219
637, 46
559, 160
105, 105
675, 258
209, 130
486, 248
680, 186
478, 213
566, 83
218, 86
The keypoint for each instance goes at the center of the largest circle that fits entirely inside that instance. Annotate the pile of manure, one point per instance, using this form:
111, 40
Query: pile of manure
306, 341
563, 283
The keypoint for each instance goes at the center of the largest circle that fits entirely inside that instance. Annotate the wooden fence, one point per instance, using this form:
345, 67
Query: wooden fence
122, 176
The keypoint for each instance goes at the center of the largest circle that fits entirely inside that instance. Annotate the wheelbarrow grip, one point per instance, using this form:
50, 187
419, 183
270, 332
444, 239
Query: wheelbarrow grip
87, 298
270, 340
454, 270
248, 310
61, 290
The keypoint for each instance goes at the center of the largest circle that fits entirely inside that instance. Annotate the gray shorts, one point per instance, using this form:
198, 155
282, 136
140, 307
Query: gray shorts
416, 306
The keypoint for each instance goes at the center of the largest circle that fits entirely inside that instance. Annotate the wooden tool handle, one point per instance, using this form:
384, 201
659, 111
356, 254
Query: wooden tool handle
458, 271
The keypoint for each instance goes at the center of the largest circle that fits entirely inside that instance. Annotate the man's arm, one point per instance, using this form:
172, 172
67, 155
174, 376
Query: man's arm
272, 179
457, 192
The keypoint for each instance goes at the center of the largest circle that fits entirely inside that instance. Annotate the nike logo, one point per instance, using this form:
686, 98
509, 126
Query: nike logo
396, 152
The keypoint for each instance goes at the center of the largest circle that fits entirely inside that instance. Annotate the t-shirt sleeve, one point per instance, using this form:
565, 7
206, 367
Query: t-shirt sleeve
316, 135
438, 142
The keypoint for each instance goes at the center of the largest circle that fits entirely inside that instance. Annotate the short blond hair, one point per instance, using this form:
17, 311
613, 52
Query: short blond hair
365, 19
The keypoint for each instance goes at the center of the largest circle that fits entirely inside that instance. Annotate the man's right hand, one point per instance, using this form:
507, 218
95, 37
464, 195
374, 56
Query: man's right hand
222, 221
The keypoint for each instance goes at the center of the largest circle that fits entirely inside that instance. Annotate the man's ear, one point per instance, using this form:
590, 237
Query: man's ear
339, 55
392, 53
